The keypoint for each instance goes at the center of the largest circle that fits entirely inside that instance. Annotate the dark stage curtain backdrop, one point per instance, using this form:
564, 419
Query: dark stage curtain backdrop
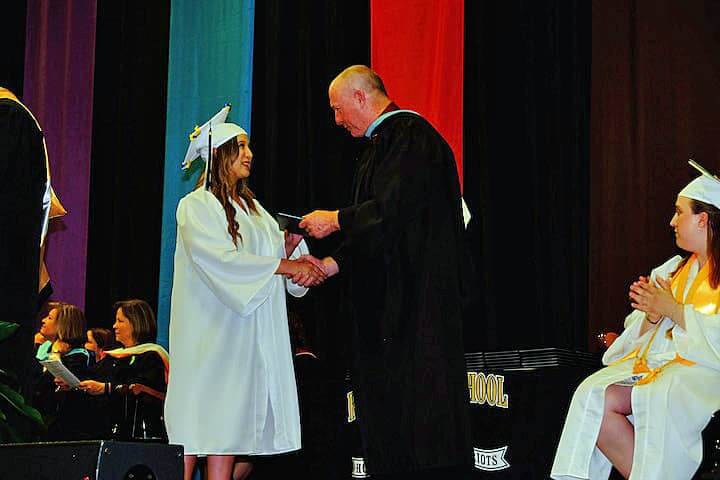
302, 160
526, 107
12, 39
127, 155
655, 77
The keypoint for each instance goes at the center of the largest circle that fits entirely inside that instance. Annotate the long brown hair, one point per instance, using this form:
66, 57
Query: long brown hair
220, 185
713, 240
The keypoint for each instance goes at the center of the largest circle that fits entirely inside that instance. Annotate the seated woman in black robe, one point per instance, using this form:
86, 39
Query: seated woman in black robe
130, 382
63, 410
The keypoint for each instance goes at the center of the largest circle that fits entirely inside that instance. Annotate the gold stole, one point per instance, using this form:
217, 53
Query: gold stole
701, 296
5, 93
142, 348
56, 208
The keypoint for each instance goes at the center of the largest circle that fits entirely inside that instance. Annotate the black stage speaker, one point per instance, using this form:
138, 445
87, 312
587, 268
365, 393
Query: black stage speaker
91, 460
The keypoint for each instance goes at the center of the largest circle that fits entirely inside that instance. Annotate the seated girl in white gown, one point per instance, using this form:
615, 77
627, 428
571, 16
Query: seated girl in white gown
645, 411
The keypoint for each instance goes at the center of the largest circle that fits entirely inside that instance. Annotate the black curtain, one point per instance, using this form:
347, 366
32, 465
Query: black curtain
527, 71
12, 39
128, 152
302, 160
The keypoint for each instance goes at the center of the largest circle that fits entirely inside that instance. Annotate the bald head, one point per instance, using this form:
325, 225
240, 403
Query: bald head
357, 96
360, 77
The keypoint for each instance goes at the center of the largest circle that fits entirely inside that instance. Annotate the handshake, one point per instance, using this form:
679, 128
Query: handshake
308, 271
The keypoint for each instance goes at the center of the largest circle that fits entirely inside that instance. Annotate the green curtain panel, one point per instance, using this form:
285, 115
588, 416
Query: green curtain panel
211, 58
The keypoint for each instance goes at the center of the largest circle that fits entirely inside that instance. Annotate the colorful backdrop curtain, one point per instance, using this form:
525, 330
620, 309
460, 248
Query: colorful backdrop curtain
210, 64
58, 88
417, 49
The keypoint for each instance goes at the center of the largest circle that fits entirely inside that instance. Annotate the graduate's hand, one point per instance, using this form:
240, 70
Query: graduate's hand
292, 240
39, 338
301, 272
652, 317
308, 275
327, 264
655, 301
320, 223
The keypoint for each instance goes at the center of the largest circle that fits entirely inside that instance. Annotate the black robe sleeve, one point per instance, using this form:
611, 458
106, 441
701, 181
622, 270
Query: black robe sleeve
148, 370
23, 173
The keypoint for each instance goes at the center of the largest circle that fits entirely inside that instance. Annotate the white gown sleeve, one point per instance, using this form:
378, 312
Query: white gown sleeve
628, 340
630, 337
292, 288
700, 340
240, 280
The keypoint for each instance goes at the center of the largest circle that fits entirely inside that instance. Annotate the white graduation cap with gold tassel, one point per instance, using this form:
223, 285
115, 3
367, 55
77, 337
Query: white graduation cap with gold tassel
214, 132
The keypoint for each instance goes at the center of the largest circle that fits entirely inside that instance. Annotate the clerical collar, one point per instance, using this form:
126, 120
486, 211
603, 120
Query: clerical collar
389, 111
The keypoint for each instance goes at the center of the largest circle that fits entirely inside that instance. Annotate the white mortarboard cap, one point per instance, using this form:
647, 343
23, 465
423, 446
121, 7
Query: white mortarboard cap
705, 188
220, 134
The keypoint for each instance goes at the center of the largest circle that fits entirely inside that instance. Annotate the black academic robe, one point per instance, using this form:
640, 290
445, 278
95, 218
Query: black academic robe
23, 173
126, 416
403, 256
65, 412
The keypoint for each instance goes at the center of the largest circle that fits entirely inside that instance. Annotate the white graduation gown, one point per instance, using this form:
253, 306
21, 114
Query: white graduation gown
669, 413
232, 384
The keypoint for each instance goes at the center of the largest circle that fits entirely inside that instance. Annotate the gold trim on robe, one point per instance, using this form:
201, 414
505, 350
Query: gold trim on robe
701, 296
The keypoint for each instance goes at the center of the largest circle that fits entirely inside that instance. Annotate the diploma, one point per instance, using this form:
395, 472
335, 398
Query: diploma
57, 369
290, 223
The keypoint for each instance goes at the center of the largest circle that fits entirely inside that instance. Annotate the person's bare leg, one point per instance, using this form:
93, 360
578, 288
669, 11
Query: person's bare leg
617, 435
241, 470
220, 467
190, 461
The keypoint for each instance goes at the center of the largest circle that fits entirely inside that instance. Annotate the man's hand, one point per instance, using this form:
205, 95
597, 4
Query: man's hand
327, 264
301, 272
320, 223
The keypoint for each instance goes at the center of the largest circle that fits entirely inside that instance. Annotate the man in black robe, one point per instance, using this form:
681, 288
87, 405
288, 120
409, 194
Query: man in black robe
24, 178
403, 257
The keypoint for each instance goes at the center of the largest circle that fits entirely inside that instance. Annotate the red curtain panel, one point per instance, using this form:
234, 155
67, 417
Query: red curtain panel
417, 49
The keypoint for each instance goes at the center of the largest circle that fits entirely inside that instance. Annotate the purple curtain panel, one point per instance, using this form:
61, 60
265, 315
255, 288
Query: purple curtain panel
58, 88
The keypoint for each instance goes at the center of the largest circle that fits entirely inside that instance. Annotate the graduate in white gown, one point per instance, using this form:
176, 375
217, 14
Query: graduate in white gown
232, 388
645, 411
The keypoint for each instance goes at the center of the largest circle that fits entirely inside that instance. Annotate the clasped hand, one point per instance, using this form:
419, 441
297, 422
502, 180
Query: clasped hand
309, 271
304, 272
656, 301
